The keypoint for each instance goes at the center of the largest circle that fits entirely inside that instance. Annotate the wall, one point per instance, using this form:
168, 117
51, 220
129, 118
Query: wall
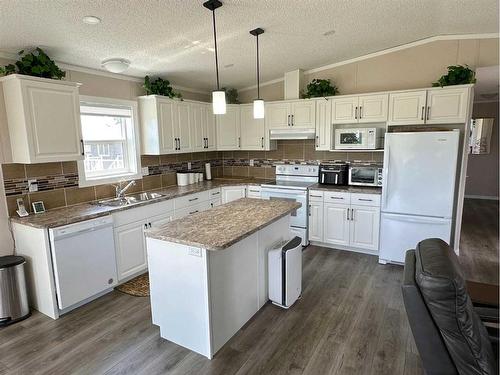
414, 67
482, 170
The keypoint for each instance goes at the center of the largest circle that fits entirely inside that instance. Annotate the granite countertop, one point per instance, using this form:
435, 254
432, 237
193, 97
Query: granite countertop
348, 189
224, 225
86, 211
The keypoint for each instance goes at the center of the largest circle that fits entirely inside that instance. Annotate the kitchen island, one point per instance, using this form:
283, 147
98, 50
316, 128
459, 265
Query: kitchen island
208, 271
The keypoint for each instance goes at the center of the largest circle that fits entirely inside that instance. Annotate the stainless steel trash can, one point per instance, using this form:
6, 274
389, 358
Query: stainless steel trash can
13, 294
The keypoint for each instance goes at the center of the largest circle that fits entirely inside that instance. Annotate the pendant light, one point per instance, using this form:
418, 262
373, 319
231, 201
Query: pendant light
258, 104
218, 96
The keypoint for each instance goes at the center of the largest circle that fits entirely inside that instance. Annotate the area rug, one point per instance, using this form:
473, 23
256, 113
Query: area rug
138, 286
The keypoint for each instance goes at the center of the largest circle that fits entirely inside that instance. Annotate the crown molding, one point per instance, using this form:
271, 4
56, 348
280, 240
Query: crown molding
386, 51
102, 73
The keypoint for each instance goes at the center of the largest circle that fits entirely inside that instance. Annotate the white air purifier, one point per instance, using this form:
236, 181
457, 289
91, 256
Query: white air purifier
285, 272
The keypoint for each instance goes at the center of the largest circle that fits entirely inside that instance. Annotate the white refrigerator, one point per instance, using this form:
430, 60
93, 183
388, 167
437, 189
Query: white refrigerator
418, 190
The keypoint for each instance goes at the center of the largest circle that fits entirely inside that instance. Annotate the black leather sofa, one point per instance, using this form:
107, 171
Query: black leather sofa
448, 331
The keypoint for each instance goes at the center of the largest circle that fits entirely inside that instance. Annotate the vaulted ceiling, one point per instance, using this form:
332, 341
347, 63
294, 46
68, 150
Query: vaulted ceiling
173, 38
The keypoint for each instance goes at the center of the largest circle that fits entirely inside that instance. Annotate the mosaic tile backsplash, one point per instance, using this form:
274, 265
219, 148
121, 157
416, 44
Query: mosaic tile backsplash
58, 182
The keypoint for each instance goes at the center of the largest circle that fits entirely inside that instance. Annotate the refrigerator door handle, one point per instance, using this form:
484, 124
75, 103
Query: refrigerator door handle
385, 177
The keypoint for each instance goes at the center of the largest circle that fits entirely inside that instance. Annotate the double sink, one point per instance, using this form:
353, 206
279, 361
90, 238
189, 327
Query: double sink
129, 199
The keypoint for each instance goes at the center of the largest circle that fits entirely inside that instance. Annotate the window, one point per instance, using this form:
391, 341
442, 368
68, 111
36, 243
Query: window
110, 141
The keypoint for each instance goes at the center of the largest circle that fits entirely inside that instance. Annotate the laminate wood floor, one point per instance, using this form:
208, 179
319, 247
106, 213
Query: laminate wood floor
479, 241
350, 320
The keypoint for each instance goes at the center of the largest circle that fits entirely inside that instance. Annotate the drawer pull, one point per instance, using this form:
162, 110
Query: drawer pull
254, 191
337, 198
216, 193
365, 200
193, 212
193, 199
315, 196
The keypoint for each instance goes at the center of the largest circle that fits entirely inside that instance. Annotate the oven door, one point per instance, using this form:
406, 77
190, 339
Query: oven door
363, 176
350, 139
299, 217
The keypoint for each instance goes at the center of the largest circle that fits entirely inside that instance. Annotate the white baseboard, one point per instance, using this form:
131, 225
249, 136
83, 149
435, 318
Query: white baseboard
487, 197
345, 248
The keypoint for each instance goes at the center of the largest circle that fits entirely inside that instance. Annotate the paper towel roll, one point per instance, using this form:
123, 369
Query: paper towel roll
208, 171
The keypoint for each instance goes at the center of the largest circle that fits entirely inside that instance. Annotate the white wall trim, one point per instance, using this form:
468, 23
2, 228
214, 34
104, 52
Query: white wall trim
386, 51
486, 197
97, 72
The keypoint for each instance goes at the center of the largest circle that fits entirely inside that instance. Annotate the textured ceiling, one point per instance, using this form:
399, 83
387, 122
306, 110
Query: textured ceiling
173, 38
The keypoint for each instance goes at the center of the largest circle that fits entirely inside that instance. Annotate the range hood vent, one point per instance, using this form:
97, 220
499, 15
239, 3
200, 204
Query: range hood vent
276, 134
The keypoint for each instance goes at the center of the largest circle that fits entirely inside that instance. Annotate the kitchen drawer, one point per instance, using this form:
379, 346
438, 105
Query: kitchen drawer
202, 206
360, 199
190, 200
336, 197
316, 195
253, 191
141, 213
214, 193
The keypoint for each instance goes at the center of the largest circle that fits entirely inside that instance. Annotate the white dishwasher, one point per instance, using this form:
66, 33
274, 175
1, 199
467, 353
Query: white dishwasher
84, 262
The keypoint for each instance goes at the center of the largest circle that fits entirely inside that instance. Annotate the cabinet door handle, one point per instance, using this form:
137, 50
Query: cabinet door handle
352, 214
239, 142
347, 214
262, 142
193, 199
292, 120
365, 200
288, 120
193, 212
146, 226
356, 113
428, 113
150, 225
360, 111
83, 147
309, 210
317, 141
423, 111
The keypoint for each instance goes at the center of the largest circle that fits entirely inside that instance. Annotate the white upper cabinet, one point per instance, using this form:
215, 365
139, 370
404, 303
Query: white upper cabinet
447, 105
303, 114
323, 139
372, 108
291, 114
407, 108
432, 106
360, 109
202, 127
43, 117
170, 126
252, 130
228, 128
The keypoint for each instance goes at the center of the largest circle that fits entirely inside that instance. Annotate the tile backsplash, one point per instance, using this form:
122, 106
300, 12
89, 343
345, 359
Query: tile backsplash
58, 182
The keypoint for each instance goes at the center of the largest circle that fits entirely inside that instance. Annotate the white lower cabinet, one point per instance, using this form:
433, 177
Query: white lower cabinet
354, 223
336, 224
364, 227
130, 249
232, 193
316, 221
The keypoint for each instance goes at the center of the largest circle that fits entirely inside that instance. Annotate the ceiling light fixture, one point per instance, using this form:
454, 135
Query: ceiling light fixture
218, 96
258, 104
91, 20
115, 65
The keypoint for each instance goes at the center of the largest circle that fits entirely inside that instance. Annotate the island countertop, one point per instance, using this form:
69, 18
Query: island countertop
225, 225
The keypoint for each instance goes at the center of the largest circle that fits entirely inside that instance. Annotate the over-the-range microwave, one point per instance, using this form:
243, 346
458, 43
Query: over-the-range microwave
359, 138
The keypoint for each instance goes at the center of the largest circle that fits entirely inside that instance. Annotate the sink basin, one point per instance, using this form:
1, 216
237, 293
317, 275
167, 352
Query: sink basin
128, 200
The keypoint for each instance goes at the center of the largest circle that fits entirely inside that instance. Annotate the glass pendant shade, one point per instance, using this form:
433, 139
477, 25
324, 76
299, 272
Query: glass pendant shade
219, 102
258, 108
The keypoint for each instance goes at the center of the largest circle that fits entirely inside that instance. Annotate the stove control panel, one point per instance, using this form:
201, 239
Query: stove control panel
297, 170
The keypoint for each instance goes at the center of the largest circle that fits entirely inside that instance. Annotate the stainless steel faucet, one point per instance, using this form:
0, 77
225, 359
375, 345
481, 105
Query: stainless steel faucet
120, 192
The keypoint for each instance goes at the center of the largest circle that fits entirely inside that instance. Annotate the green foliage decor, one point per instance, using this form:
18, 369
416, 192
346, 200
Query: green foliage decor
319, 88
35, 63
457, 75
160, 86
231, 96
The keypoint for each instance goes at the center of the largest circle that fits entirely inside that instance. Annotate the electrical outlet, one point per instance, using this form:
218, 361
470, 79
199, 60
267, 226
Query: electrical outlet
145, 171
251, 163
189, 165
32, 185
